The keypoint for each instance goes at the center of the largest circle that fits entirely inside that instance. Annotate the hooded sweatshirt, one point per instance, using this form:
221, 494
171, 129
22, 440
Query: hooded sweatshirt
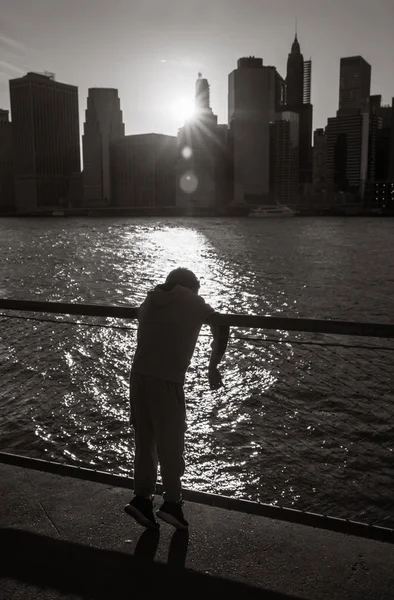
169, 325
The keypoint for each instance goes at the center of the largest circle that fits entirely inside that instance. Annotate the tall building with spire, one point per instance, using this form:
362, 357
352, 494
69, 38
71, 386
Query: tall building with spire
202, 164
295, 75
103, 125
298, 100
202, 95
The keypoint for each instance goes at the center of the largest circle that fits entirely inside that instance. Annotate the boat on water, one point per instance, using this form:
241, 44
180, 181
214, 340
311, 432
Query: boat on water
279, 210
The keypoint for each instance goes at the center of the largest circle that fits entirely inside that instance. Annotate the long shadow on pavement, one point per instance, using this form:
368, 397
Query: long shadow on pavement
97, 574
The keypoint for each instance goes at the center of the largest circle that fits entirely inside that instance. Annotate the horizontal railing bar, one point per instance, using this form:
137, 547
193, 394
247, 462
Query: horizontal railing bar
379, 330
374, 532
86, 310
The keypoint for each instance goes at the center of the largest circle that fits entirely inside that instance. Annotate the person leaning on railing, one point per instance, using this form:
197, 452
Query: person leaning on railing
169, 322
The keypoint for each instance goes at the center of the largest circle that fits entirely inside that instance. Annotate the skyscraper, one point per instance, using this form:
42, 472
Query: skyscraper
295, 75
298, 97
285, 160
375, 139
377, 108
354, 85
380, 191
202, 153
103, 124
319, 159
307, 81
347, 152
6, 163
351, 135
202, 95
251, 108
46, 140
391, 166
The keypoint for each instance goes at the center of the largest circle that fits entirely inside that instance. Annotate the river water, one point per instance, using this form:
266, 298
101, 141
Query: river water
297, 424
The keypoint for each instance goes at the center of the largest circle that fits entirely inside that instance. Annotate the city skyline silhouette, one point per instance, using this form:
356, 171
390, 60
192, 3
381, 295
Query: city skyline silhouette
152, 55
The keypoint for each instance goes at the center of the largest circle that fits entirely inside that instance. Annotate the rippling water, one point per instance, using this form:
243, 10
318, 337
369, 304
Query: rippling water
294, 424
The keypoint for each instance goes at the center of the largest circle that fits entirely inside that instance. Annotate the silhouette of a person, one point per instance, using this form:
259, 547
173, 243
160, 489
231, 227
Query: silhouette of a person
170, 320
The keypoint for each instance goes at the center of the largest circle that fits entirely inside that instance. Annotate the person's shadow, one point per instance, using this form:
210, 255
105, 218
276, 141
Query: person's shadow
146, 547
148, 543
31, 560
178, 549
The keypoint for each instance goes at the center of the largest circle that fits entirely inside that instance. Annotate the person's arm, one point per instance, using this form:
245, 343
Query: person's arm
220, 334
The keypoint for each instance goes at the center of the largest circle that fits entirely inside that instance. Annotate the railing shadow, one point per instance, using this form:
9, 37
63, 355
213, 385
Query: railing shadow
93, 573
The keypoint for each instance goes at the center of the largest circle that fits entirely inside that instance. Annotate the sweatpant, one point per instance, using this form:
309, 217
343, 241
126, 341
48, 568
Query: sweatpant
158, 415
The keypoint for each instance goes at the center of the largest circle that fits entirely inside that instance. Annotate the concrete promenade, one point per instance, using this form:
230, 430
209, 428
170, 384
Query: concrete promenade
68, 538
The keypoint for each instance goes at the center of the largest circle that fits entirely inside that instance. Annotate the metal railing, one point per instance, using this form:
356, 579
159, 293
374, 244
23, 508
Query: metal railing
305, 423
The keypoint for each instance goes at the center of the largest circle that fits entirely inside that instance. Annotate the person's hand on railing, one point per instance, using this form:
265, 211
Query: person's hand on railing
220, 334
215, 378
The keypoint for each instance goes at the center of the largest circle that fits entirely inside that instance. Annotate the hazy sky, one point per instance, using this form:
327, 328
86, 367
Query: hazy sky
152, 50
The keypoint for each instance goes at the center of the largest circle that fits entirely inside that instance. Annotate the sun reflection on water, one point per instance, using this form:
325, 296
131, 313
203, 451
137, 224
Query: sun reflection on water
244, 440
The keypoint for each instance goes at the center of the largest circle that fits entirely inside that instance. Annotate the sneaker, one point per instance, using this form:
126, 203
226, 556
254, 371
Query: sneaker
172, 513
141, 509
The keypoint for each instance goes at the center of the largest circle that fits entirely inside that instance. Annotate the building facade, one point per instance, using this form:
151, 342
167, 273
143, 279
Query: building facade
307, 81
351, 136
374, 137
143, 170
7, 197
285, 158
251, 108
103, 124
354, 85
45, 126
319, 158
391, 165
380, 187
348, 153
384, 111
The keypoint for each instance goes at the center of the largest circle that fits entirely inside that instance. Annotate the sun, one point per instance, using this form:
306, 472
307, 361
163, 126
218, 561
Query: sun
183, 108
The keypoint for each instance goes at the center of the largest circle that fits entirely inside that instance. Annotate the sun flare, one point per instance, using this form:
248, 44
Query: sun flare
183, 108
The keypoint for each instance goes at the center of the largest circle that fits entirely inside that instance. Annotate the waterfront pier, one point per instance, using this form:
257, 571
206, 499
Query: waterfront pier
63, 537
63, 530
